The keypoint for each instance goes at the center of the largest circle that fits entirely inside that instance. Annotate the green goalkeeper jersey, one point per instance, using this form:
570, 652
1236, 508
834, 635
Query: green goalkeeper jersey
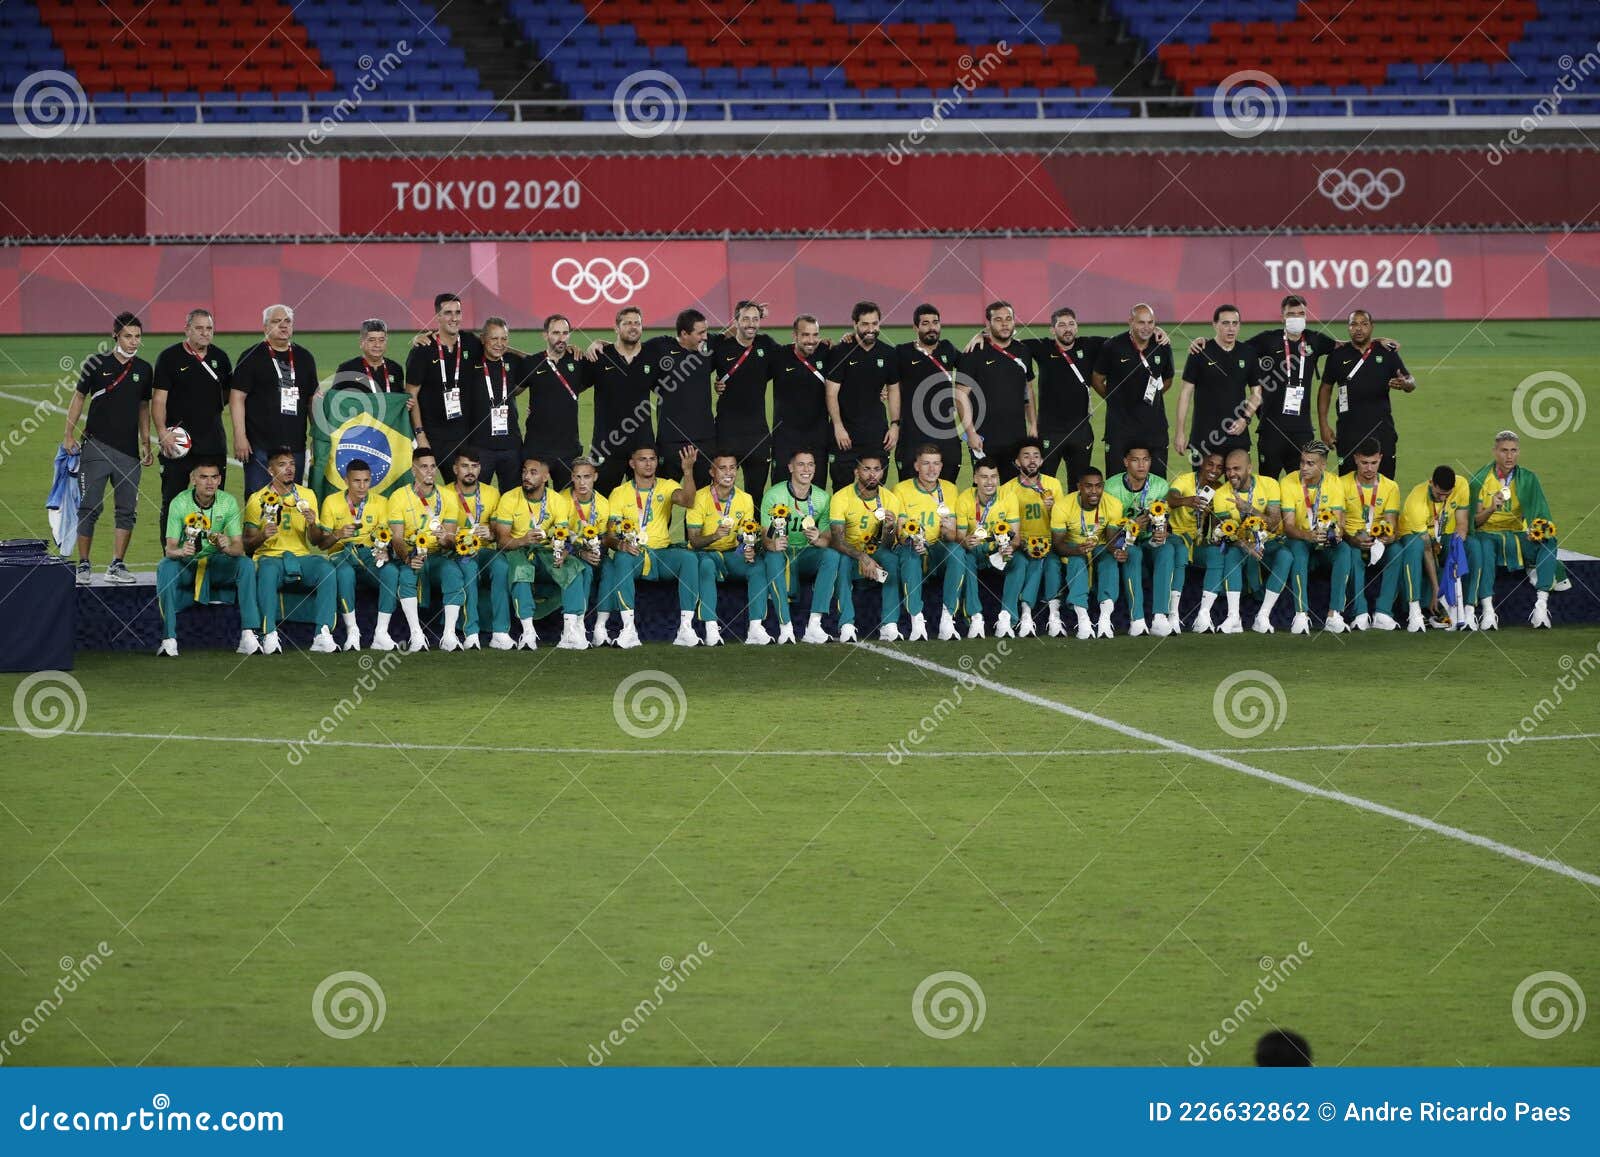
814, 506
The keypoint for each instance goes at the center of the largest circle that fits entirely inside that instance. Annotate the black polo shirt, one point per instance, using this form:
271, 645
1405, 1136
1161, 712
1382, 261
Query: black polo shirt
1063, 379
621, 400
928, 372
1288, 375
1130, 413
745, 371
1001, 377
491, 385
1361, 393
263, 375
197, 393
356, 374
1222, 380
553, 388
115, 390
799, 397
862, 374
436, 371
682, 382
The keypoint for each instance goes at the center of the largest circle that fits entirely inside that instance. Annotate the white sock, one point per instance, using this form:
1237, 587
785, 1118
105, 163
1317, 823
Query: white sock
574, 623
627, 620
1233, 604
1105, 608
1488, 604
527, 628
686, 620
1176, 595
408, 607
814, 622
1540, 599
1083, 616
383, 621
1207, 601
451, 614
1055, 606
1268, 601
350, 623
600, 620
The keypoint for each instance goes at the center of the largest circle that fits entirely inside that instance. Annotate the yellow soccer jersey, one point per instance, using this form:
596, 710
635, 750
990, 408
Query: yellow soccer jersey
1029, 504
1365, 506
409, 511
595, 511
922, 506
368, 517
1082, 524
291, 536
1422, 515
995, 514
708, 510
1305, 503
1509, 516
1264, 494
1182, 520
650, 509
476, 509
517, 514
857, 516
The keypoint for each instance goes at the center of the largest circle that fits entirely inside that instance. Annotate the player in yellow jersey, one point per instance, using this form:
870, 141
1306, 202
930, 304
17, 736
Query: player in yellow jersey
712, 527
928, 537
281, 534
1257, 496
1371, 502
476, 502
422, 528
645, 502
865, 521
1033, 495
1201, 502
1434, 513
353, 518
1313, 514
1083, 530
987, 532
591, 510
529, 525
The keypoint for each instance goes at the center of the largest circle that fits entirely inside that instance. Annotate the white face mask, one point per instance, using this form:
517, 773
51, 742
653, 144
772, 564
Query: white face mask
1294, 326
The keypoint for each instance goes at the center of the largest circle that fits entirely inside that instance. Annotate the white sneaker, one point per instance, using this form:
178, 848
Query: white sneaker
502, 641
1416, 622
1202, 622
528, 641
1085, 629
270, 645
975, 627
919, 630
1025, 627
450, 641
1262, 625
1563, 584
248, 644
1540, 618
889, 633
1054, 627
573, 640
1102, 629
601, 636
1160, 627
381, 642
847, 633
1231, 626
814, 635
471, 643
1469, 619
1137, 628
628, 638
757, 635
1489, 620
685, 636
417, 642
785, 633
323, 644
352, 641
1334, 624
1301, 624
168, 649
713, 634
1174, 624
1383, 622
1002, 626
1360, 622
947, 627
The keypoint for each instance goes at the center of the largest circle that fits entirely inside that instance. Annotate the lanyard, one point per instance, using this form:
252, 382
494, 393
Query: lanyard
1142, 360
372, 381
1313, 497
801, 358
202, 360
356, 511
876, 498
645, 501
477, 503
1142, 493
556, 370
1288, 371
444, 375
810, 509
1437, 516
1018, 362
434, 505
726, 510
279, 364
114, 384
594, 512
544, 500
983, 512
1365, 354
1368, 509
1066, 355
505, 384
740, 362
1084, 524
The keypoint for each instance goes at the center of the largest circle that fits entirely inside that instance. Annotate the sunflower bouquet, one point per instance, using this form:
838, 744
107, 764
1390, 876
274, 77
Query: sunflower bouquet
1328, 524
1540, 529
467, 545
1037, 546
1225, 530
911, 530
559, 537
1158, 515
749, 532
629, 531
589, 539
1253, 531
780, 521
424, 542
271, 509
1127, 533
1381, 530
381, 538
998, 540
195, 524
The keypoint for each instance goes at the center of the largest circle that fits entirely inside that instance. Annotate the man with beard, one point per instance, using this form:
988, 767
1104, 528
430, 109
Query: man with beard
476, 503
1083, 533
801, 550
553, 381
1257, 496
523, 522
189, 391
860, 376
1200, 501
1364, 391
865, 520
1033, 495
928, 366
799, 402
743, 361
1133, 374
684, 369
621, 377
436, 377
995, 392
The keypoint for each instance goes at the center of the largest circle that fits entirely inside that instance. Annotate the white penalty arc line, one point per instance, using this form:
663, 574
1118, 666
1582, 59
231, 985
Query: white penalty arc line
1311, 789
797, 753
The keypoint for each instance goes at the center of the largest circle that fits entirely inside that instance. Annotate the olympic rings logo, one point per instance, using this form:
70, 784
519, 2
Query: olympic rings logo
600, 277
1362, 189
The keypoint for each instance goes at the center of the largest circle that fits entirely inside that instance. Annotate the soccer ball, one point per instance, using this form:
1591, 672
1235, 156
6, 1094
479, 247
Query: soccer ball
181, 442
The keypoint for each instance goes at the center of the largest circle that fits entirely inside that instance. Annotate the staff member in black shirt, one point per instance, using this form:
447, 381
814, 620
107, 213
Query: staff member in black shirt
744, 360
682, 383
270, 398
494, 430
190, 392
1133, 374
1064, 362
860, 375
1364, 391
928, 367
1222, 383
116, 440
371, 372
553, 378
622, 378
800, 400
435, 379
994, 393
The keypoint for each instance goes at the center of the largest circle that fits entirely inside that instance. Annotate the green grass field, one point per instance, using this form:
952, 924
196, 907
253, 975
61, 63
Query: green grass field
1467, 375
516, 905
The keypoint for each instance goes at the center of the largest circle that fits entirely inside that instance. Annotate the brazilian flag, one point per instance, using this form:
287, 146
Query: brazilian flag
349, 424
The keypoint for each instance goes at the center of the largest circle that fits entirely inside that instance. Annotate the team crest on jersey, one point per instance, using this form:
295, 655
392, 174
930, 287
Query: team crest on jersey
880, 366
1378, 359
647, 369
761, 353
136, 376
1241, 363
1079, 353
